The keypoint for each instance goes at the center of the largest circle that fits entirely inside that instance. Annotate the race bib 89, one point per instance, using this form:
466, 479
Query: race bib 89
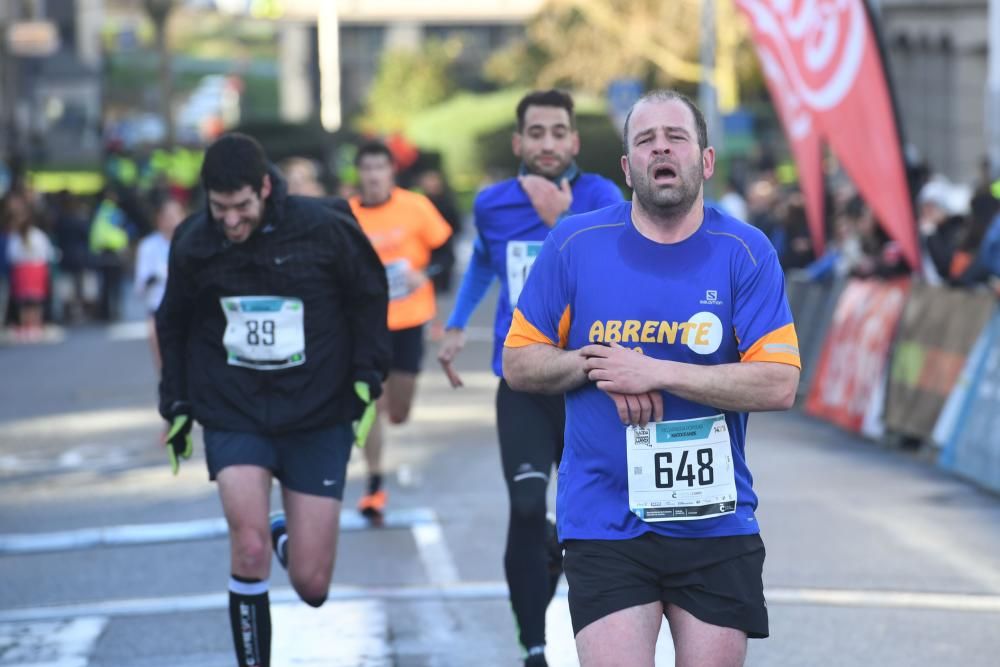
264, 332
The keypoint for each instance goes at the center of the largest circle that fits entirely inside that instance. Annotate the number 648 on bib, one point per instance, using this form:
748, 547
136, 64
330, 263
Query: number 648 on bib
680, 470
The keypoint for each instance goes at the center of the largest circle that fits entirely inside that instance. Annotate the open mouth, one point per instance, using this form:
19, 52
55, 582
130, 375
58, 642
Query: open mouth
664, 173
235, 231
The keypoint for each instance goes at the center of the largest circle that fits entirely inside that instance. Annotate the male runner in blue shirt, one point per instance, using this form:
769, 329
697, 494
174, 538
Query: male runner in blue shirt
664, 322
512, 219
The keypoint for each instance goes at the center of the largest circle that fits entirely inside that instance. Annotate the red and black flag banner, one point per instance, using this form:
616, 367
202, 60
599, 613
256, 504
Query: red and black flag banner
826, 76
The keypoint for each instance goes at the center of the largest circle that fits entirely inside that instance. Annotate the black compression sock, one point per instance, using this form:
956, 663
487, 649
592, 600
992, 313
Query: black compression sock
250, 620
374, 483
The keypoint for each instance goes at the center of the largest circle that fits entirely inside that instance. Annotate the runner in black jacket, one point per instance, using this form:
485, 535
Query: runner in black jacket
273, 334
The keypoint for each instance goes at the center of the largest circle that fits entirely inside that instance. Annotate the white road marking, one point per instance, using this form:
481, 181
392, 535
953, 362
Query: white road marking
181, 531
830, 597
302, 635
55, 643
434, 554
490, 590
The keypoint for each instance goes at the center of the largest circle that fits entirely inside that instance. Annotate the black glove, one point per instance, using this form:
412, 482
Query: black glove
178, 437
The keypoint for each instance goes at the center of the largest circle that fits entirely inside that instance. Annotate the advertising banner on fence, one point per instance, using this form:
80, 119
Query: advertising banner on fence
825, 73
938, 328
947, 421
856, 350
973, 450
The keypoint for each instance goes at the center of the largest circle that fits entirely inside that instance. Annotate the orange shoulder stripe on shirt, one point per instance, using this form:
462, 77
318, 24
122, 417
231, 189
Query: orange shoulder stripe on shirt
781, 346
523, 333
564, 329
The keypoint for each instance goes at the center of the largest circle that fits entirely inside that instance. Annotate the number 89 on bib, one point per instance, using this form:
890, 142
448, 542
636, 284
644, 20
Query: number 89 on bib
264, 332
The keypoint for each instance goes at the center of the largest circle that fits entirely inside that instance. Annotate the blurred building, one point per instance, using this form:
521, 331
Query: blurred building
50, 87
938, 53
328, 51
365, 28
369, 26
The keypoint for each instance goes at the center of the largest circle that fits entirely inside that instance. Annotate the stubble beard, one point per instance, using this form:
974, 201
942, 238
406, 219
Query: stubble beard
671, 201
534, 167
251, 224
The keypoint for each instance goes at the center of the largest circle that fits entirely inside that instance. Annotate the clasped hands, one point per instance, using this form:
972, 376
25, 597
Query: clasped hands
629, 378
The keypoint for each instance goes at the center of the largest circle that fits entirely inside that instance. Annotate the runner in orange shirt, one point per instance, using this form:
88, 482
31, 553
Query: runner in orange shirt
404, 227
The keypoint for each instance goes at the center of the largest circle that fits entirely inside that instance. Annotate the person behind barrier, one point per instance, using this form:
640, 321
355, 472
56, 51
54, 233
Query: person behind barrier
29, 255
664, 322
273, 336
110, 232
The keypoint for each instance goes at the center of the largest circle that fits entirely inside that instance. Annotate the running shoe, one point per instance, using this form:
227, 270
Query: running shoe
372, 506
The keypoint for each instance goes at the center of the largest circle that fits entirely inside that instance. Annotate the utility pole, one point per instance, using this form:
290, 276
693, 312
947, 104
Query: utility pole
159, 12
708, 98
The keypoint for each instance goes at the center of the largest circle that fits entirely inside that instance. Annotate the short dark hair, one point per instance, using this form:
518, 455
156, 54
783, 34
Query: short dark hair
545, 98
232, 162
372, 148
667, 96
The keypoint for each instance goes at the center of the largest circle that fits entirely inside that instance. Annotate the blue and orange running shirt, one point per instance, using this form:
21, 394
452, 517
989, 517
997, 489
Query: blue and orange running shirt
510, 235
716, 297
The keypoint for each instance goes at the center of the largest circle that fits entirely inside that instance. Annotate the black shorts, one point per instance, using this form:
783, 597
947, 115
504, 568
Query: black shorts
407, 349
716, 579
313, 462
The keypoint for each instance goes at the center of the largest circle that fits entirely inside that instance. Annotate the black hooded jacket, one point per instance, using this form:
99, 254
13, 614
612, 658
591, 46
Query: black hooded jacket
305, 249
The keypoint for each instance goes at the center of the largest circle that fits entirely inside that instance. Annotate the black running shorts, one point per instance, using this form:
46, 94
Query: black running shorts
718, 579
312, 462
407, 349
